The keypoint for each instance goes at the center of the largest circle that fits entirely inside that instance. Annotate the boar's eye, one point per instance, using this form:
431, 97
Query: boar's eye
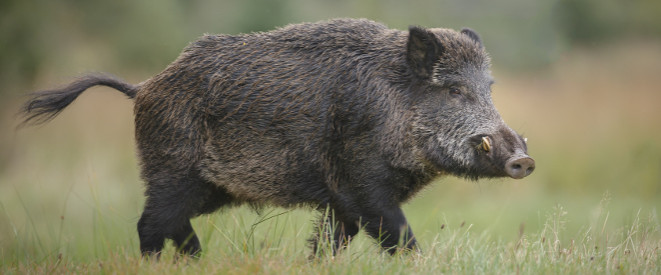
455, 91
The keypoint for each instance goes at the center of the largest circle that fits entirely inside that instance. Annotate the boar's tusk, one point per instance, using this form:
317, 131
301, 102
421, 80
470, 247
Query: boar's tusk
486, 144
525, 140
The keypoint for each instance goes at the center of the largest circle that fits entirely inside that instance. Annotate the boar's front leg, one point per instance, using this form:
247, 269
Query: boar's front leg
334, 231
389, 227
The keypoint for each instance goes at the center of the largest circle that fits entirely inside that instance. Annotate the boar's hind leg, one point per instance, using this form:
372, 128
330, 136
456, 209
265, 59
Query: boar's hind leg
169, 207
390, 229
186, 241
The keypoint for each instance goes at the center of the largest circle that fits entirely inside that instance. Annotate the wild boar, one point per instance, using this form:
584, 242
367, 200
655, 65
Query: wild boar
346, 114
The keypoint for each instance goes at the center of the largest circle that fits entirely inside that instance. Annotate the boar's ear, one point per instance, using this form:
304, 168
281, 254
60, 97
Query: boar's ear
473, 36
423, 50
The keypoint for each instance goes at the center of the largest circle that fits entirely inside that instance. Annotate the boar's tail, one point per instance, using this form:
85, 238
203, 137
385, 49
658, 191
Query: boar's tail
43, 106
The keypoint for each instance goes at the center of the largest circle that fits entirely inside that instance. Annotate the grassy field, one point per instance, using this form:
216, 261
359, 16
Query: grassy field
70, 193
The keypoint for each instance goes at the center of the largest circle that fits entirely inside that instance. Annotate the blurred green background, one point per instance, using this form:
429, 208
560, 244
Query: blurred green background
579, 78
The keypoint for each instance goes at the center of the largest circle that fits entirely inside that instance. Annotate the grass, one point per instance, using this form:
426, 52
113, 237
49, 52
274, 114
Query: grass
70, 194
240, 241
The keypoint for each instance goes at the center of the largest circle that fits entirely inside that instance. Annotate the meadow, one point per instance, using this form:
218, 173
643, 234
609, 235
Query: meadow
70, 192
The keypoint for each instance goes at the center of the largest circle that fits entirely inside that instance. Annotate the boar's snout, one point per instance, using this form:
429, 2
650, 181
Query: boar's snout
519, 167
504, 151
514, 148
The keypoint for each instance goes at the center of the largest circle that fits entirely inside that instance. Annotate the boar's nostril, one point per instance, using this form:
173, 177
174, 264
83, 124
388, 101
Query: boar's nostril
519, 167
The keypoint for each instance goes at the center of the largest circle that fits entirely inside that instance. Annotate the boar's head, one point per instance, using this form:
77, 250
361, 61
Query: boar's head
456, 127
